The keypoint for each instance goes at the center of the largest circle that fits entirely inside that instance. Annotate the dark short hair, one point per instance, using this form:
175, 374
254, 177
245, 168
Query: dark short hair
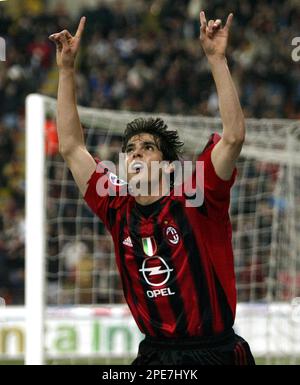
168, 142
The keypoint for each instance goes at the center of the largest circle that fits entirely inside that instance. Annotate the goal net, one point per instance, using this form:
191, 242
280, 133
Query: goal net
74, 301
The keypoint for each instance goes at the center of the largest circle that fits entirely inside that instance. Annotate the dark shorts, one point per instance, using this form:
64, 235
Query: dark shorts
224, 349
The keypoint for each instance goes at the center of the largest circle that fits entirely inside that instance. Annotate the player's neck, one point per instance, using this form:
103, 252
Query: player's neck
148, 199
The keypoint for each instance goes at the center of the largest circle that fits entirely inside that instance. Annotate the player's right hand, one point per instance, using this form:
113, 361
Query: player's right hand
67, 45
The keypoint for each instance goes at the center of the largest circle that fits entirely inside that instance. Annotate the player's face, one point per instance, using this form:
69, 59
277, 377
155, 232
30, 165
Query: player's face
141, 151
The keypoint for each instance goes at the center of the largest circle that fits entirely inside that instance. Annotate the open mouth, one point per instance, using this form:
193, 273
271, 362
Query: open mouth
136, 167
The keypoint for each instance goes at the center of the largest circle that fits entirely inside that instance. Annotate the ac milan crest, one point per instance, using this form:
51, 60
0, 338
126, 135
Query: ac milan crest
172, 235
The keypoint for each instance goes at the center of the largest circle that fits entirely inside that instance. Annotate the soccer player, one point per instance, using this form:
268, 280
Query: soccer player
175, 260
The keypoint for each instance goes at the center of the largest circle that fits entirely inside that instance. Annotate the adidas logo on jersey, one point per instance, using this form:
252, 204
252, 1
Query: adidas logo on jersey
127, 242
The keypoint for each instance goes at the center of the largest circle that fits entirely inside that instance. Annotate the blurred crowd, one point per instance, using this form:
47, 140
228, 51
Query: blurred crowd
143, 56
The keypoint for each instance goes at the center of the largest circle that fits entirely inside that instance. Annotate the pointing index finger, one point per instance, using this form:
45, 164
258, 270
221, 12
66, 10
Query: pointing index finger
203, 20
80, 28
229, 21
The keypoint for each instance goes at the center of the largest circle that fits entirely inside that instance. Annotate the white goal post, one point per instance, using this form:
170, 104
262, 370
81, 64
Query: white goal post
265, 212
35, 230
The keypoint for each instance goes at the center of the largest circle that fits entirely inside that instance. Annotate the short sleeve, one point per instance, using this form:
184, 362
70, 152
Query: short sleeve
216, 190
98, 202
102, 192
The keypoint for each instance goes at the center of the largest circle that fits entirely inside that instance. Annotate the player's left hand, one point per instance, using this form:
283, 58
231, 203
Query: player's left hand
213, 36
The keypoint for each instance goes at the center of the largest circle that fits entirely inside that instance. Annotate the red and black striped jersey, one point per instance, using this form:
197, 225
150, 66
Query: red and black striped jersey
176, 264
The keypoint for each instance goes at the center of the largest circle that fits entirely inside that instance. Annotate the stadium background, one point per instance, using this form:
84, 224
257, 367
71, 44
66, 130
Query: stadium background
137, 56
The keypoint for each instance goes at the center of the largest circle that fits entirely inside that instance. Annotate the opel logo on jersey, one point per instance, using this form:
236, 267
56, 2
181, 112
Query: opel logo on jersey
172, 235
155, 271
149, 246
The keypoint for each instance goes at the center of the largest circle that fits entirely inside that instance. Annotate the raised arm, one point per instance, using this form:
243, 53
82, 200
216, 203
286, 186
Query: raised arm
214, 38
71, 141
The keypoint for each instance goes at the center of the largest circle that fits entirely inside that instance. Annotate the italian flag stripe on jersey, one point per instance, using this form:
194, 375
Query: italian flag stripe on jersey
149, 246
